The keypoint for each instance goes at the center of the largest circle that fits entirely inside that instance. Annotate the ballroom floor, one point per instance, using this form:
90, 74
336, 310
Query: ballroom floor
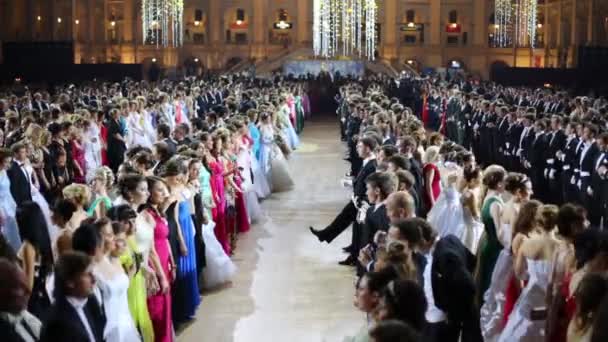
289, 287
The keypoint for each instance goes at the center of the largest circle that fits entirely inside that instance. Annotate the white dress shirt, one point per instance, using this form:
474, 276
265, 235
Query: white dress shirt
78, 304
433, 314
26, 325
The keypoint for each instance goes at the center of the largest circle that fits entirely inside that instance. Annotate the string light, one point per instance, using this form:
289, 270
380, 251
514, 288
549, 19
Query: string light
503, 10
338, 27
526, 12
162, 22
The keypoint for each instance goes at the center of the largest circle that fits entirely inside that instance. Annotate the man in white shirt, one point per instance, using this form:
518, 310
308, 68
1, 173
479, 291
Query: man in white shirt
76, 314
16, 323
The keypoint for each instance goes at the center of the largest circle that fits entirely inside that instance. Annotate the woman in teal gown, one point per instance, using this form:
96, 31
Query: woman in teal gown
493, 180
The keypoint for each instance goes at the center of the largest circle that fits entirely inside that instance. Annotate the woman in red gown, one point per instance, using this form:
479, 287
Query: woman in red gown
432, 178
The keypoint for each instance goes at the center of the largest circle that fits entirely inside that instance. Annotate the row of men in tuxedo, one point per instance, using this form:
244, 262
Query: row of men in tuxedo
565, 160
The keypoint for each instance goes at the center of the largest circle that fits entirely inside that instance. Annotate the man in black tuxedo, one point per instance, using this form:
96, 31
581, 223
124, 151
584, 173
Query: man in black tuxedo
598, 194
535, 162
568, 162
38, 104
365, 149
454, 292
76, 315
556, 141
587, 162
407, 147
18, 175
16, 323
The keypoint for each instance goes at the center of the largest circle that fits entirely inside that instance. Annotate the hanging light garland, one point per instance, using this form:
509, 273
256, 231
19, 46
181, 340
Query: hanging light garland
503, 10
526, 20
163, 22
338, 27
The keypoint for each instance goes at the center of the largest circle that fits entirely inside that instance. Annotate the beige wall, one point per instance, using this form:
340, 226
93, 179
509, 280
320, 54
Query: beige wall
93, 33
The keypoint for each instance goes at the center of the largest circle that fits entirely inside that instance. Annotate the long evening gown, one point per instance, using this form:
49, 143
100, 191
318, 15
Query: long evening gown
119, 326
92, 151
219, 212
159, 304
78, 153
186, 293
41, 201
495, 298
8, 209
490, 249
136, 294
242, 217
521, 327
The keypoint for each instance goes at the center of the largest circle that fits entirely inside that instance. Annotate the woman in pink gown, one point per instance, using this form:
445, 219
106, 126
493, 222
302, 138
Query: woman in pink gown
159, 304
217, 187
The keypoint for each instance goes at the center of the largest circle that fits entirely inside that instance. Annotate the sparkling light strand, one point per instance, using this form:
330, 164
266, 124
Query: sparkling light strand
338, 27
502, 18
165, 17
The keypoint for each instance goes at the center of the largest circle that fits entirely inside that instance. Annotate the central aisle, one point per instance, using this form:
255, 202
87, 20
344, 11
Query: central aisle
289, 287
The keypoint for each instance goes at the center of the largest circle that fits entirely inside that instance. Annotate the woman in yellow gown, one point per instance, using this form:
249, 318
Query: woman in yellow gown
132, 261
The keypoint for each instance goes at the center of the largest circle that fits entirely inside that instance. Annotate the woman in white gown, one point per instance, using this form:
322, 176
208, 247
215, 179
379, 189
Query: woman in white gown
455, 212
113, 283
534, 262
242, 144
519, 188
8, 207
92, 149
39, 199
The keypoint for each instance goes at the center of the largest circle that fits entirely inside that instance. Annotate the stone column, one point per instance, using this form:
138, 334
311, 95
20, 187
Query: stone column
389, 30
259, 28
215, 19
127, 22
573, 23
435, 29
303, 18
559, 40
590, 23
479, 60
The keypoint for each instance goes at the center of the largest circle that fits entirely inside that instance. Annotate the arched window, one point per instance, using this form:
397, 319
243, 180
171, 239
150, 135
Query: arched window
453, 16
240, 15
410, 15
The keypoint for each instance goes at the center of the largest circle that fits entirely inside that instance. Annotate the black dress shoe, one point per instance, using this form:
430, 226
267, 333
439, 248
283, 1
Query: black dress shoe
350, 261
316, 233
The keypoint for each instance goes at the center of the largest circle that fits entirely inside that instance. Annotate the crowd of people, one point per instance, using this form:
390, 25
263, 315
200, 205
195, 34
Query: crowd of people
478, 210
121, 202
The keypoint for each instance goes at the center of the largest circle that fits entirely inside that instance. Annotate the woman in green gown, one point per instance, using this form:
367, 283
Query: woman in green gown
493, 181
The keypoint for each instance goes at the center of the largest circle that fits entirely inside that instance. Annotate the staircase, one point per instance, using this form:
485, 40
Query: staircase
265, 68
400, 66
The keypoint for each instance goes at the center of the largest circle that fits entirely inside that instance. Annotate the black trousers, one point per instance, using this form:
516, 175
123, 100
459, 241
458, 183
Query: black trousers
344, 219
467, 330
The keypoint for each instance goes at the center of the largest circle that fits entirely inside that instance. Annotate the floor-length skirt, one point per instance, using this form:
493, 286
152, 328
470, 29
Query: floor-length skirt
159, 304
219, 217
44, 206
220, 268
138, 306
186, 298
9, 227
280, 178
260, 181
242, 217
253, 206
492, 310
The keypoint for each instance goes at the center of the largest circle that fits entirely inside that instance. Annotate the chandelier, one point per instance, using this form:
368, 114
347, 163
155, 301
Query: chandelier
344, 27
163, 22
526, 12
